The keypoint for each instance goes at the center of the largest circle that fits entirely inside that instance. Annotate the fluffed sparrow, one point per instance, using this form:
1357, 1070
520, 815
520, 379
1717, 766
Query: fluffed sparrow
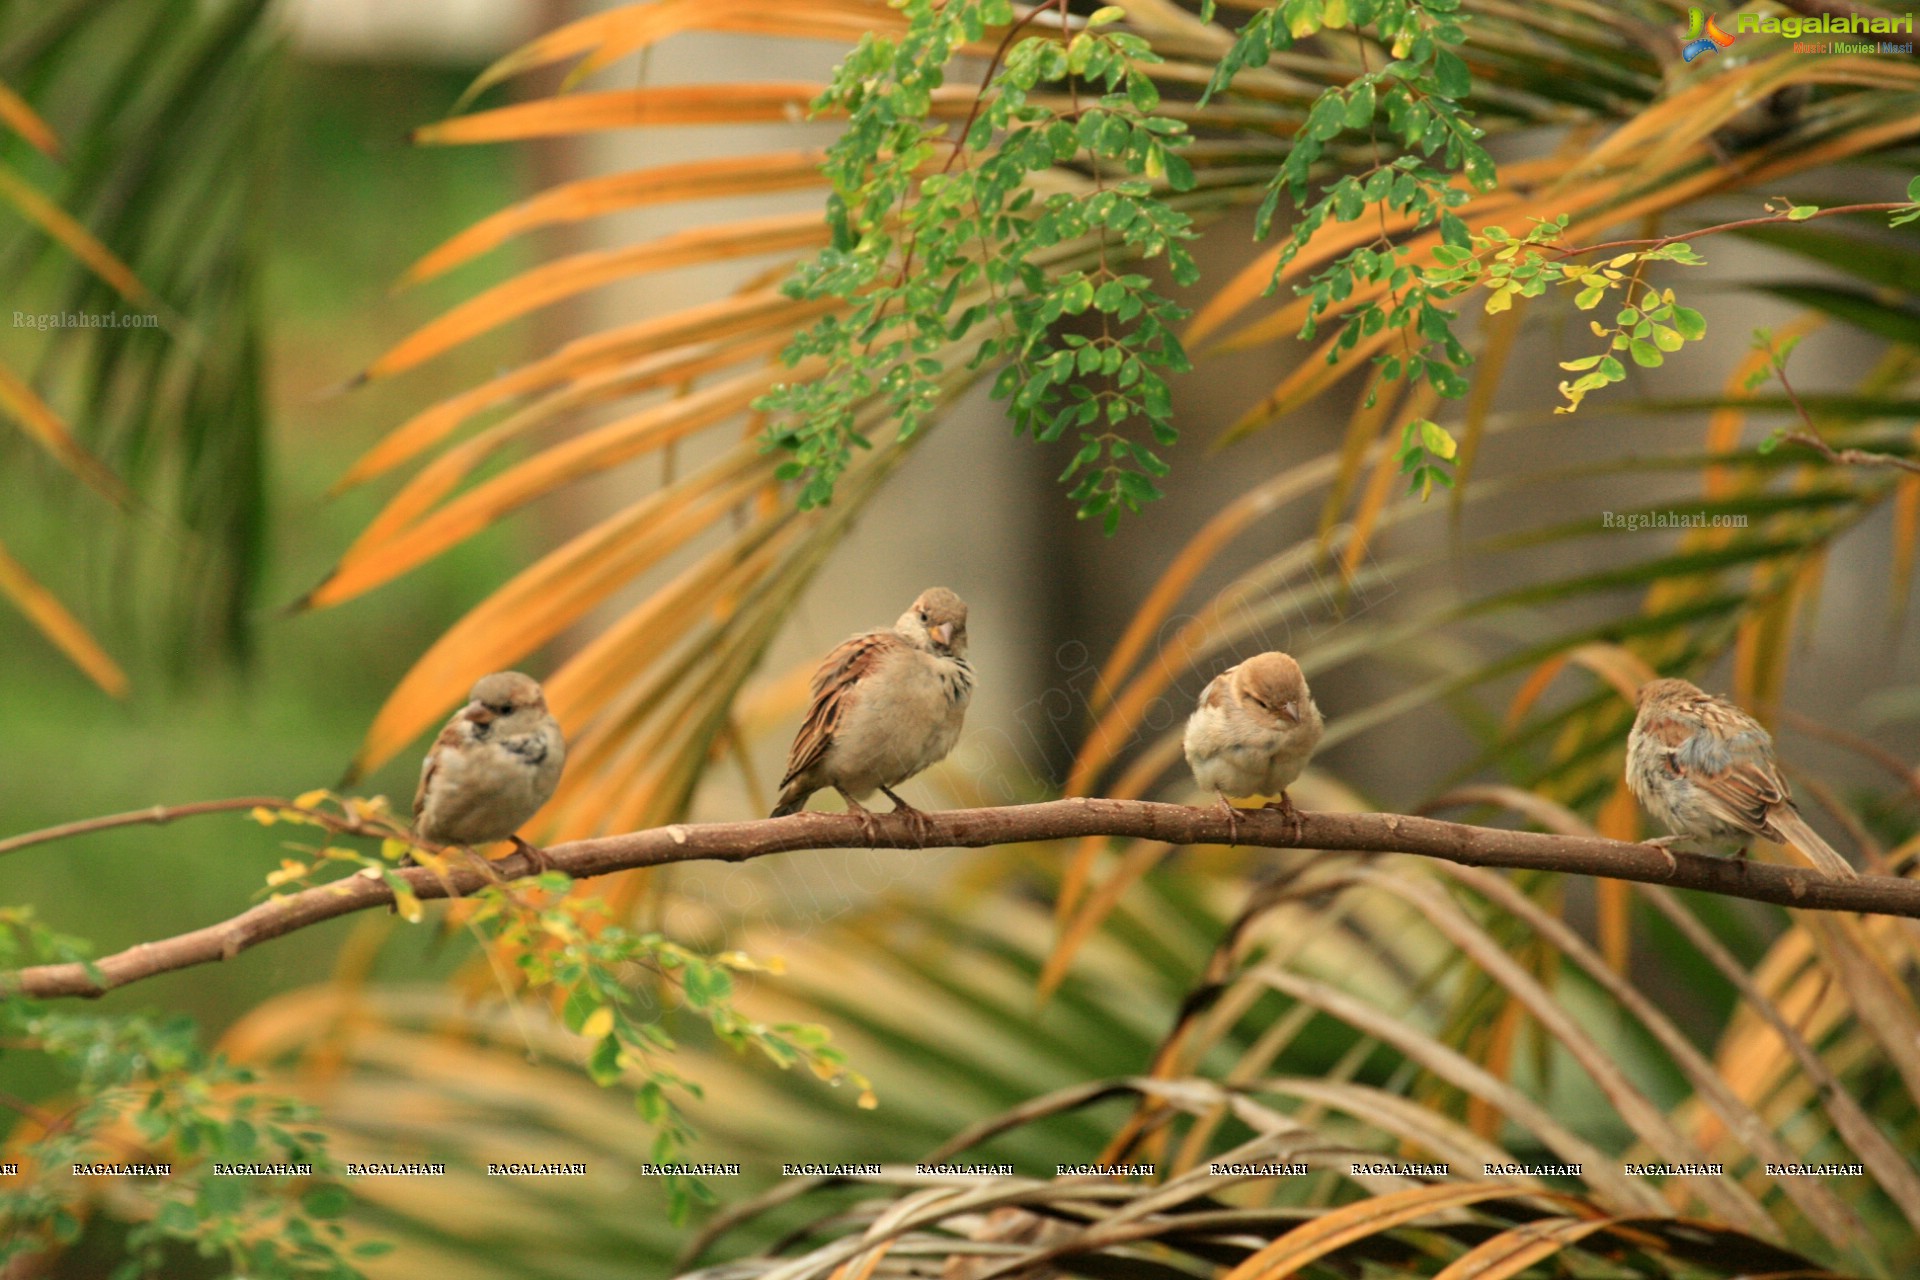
1705, 768
491, 768
886, 705
1254, 731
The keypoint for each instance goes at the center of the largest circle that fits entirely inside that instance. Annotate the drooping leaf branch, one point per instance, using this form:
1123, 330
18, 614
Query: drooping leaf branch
1361, 833
249, 1178
935, 236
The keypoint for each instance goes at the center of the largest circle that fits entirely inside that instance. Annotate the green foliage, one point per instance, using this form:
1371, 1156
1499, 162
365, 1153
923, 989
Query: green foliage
588, 967
1427, 452
613, 987
1412, 109
935, 236
178, 410
1912, 213
921, 257
142, 1092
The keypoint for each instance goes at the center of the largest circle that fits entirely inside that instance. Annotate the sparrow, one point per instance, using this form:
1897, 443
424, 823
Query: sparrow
1253, 732
886, 705
493, 766
1705, 768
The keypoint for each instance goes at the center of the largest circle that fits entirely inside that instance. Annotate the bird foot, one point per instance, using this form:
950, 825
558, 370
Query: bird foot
1661, 843
535, 855
1296, 825
1233, 821
921, 824
865, 815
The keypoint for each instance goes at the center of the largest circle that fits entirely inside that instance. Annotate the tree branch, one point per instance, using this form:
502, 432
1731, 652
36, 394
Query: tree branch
1368, 833
160, 814
1812, 438
1661, 242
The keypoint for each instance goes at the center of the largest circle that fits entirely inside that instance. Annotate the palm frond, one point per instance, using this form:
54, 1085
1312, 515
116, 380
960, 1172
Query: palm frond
153, 213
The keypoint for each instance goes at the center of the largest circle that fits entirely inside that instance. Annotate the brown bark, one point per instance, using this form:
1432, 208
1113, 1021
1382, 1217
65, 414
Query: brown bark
1362, 833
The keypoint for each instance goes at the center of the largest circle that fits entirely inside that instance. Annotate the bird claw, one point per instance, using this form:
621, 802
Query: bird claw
865, 815
917, 820
535, 855
1661, 843
1233, 821
1296, 825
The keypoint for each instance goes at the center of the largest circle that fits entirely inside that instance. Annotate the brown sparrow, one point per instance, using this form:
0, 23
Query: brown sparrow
1705, 768
1254, 731
886, 705
491, 768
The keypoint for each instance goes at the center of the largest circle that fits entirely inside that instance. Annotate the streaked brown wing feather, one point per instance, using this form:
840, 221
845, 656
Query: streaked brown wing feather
845, 667
1743, 795
448, 738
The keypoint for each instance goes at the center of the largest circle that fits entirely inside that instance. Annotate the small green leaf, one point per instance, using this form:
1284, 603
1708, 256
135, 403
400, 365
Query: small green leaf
326, 1202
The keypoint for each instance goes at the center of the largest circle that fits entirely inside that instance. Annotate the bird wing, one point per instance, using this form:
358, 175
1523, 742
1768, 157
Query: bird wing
845, 667
450, 739
1742, 794
1732, 787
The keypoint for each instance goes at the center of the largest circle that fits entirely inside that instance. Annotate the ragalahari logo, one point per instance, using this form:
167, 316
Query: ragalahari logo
1703, 34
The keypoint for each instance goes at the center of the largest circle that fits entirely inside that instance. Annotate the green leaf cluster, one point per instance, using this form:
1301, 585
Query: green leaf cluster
614, 987
141, 1090
1425, 159
938, 236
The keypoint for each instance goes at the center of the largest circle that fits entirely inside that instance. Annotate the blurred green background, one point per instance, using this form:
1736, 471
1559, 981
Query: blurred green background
353, 204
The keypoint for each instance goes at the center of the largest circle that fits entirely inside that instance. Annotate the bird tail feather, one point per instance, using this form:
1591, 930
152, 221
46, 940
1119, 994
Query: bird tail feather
792, 800
1794, 830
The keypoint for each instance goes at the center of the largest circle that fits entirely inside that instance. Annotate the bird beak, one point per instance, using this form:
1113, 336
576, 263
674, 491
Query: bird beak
1290, 712
942, 633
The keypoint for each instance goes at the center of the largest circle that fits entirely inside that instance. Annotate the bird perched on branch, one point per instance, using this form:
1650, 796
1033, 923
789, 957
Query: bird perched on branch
1253, 732
886, 705
1705, 768
493, 766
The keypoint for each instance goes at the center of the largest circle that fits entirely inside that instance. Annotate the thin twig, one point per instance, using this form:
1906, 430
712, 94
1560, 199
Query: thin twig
1851, 457
160, 815
1362, 833
1662, 242
1813, 440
